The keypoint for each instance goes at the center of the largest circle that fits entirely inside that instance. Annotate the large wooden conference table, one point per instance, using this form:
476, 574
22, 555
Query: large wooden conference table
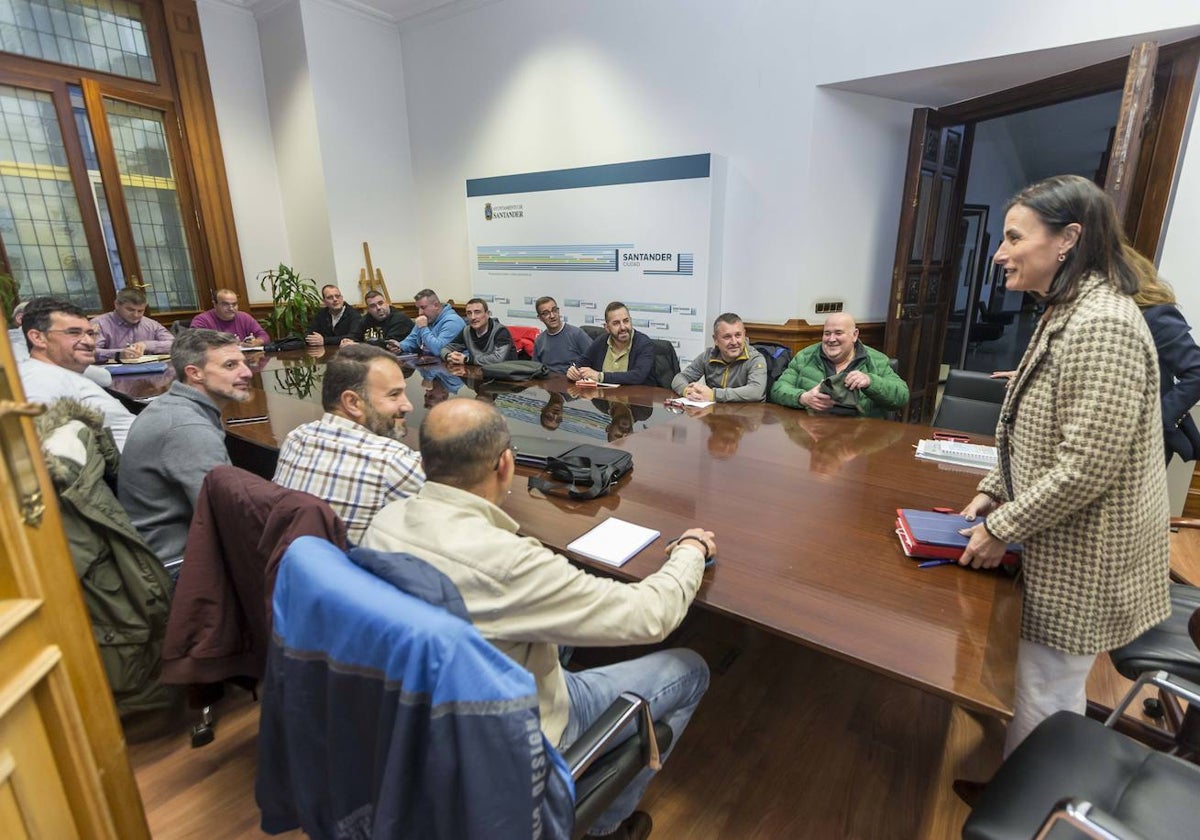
803, 508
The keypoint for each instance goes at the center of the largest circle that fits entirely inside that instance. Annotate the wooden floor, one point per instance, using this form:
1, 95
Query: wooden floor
788, 743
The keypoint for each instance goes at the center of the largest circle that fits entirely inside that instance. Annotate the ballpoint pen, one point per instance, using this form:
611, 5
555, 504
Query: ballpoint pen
929, 564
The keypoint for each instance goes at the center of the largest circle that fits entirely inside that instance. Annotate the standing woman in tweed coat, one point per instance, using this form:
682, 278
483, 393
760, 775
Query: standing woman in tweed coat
1080, 478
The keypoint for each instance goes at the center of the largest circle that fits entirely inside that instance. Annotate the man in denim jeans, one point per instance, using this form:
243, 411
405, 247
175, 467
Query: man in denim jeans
527, 600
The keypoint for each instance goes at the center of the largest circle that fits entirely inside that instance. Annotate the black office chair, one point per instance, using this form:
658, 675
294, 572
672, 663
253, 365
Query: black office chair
1076, 770
593, 331
666, 363
1169, 646
971, 402
1123, 788
437, 733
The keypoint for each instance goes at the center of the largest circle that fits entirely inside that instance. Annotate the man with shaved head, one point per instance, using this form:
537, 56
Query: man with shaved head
841, 375
527, 600
225, 317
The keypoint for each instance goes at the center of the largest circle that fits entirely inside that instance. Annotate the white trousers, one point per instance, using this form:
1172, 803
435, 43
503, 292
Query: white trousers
1048, 681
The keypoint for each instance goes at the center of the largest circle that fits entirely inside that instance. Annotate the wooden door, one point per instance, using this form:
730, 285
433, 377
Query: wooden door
63, 769
923, 272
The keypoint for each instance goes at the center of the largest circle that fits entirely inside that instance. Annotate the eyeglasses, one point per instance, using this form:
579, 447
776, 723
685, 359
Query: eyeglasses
77, 332
545, 313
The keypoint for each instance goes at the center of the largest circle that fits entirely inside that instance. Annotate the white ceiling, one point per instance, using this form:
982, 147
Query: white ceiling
938, 87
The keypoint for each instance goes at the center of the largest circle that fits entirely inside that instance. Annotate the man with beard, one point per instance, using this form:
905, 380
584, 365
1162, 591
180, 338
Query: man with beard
381, 324
174, 443
621, 357
352, 457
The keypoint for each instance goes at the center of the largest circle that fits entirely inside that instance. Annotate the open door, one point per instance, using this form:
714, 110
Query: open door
1152, 122
63, 769
923, 275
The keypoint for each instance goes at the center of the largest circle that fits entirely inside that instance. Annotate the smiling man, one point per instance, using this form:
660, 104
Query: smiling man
126, 332
841, 375
334, 321
352, 457
623, 356
560, 344
484, 341
178, 438
729, 371
62, 344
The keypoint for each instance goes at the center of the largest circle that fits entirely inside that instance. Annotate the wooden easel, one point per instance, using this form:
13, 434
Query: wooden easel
371, 278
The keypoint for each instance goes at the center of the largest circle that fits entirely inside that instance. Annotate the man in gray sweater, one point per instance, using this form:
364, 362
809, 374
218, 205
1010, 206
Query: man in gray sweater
179, 438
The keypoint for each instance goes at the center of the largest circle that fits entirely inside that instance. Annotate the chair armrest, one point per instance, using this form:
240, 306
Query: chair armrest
1177, 686
607, 730
1087, 818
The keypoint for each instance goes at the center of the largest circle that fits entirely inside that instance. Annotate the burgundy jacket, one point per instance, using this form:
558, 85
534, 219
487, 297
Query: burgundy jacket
220, 622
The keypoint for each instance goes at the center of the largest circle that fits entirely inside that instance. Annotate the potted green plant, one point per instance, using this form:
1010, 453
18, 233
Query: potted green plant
294, 299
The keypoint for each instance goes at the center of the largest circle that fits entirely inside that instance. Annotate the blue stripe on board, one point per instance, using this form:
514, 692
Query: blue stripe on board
634, 172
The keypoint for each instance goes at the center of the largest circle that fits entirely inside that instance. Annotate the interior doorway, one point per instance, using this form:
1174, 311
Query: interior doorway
927, 275
989, 327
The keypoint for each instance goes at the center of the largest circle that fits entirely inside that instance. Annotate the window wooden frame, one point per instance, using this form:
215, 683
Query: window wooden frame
183, 91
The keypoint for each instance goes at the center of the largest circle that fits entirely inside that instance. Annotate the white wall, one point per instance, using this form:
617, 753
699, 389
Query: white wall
296, 140
240, 97
814, 175
363, 131
996, 174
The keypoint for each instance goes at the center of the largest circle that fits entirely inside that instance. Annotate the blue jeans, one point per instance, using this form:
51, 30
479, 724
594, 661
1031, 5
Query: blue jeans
671, 681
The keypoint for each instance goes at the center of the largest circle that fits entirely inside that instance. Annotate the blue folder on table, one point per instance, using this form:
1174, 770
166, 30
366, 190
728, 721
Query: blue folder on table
143, 367
933, 535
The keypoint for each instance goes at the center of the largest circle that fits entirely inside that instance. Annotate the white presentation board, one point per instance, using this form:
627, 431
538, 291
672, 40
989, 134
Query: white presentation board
635, 232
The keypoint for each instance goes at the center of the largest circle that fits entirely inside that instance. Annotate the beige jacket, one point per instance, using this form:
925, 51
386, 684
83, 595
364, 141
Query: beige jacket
524, 598
1081, 475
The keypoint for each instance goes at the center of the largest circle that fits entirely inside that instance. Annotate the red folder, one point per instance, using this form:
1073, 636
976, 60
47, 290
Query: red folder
933, 535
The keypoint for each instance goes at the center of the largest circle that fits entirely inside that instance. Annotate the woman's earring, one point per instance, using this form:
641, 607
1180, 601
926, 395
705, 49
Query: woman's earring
1062, 257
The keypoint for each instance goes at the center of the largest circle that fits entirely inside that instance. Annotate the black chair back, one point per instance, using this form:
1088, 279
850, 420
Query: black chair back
971, 403
666, 363
777, 357
593, 331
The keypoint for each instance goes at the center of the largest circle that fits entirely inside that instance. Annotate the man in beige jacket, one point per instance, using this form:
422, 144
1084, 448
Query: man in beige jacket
527, 600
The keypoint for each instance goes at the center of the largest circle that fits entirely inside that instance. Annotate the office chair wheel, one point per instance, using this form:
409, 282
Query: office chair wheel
1153, 708
202, 732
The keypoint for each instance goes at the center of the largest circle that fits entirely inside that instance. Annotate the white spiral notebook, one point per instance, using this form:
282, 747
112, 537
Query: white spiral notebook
961, 454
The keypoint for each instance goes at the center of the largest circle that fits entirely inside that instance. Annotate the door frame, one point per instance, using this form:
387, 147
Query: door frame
1153, 181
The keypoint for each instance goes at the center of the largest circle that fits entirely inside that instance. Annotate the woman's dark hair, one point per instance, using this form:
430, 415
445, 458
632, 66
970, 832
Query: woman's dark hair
1071, 199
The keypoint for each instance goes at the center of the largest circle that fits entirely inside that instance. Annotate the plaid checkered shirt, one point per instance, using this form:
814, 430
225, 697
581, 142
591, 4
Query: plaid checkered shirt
355, 470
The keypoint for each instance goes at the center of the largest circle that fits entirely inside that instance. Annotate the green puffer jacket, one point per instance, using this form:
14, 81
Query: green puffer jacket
888, 392
125, 588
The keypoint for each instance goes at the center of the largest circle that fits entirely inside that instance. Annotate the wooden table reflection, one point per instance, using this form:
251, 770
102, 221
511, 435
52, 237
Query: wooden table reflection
803, 508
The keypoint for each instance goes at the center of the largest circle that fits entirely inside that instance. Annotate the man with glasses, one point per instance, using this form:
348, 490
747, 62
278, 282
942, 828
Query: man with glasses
560, 344
526, 600
62, 343
225, 317
126, 333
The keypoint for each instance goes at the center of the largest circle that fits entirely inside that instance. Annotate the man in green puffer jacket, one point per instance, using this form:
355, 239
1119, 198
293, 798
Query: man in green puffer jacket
841, 375
125, 588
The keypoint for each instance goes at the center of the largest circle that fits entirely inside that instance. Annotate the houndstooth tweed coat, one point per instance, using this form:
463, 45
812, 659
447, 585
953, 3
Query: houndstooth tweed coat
1080, 476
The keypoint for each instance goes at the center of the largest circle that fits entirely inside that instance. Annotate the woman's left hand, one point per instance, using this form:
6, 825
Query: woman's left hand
983, 551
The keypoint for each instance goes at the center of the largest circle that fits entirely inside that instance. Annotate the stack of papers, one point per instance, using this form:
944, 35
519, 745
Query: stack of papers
688, 401
972, 455
613, 541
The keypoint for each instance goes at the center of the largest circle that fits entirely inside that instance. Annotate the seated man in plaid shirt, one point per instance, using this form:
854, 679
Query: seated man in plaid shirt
352, 457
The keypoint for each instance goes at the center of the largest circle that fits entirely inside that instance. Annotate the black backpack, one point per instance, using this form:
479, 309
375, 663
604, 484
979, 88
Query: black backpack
777, 357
